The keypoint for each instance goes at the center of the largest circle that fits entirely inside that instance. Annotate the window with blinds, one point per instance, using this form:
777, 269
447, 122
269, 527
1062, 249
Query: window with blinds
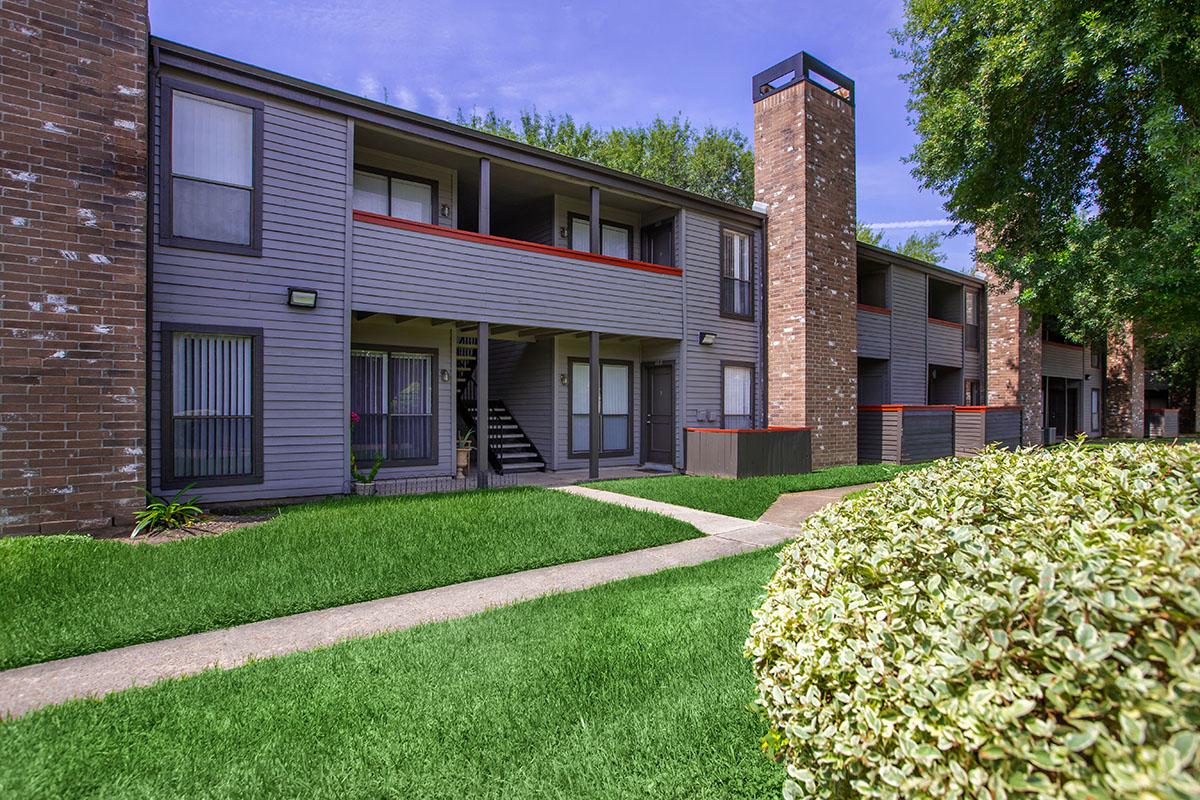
616, 407
616, 240
737, 293
737, 407
212, 169
394, 393
402, 196
213, 418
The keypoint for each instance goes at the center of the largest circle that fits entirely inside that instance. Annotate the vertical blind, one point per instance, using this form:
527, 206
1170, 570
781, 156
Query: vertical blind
614, 240
615, 411
212, 405
393, 197
212, 169
736, 294
393, 395
738, 399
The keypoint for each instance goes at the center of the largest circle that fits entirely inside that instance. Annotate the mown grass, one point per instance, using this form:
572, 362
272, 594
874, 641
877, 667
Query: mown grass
631, 690
747, 498
68, 595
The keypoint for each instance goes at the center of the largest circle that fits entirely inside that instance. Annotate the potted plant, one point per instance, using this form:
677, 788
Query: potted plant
364, 483
462, 454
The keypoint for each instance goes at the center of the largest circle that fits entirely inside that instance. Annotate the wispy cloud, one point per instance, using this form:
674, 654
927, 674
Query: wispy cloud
911, 223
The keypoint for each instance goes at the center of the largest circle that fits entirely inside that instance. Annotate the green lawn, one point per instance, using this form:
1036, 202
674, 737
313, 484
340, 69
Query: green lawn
64, 596
747, 498
635, 689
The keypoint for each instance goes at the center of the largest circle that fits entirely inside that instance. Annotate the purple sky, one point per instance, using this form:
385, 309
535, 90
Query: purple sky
608, 63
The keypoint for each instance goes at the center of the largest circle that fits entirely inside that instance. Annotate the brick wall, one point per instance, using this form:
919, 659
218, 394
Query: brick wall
72, 245
1124, 385
1014, 357
804, 172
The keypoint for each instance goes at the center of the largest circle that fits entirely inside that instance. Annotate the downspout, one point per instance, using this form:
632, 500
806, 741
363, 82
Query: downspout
681, 401
151, 174
763, 326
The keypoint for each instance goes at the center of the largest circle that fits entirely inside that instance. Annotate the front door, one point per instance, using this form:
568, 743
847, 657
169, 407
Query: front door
658, 405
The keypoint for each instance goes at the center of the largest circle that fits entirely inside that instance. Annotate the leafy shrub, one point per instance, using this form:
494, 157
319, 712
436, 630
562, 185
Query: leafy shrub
1018, 624
160, 514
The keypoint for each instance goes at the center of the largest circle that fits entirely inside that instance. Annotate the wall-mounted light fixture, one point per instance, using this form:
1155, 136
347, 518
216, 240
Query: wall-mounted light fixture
445, 209
302, 298
445, 376
562, 231
708, 337
562, 378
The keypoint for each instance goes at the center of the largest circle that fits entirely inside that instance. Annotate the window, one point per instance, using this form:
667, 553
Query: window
737, 296
402, 196
1095, 358
212, 406
658, 243
972, 327
212, 175
1095, 410
972, 392
737, 396
616, 239
616, 407
394, 393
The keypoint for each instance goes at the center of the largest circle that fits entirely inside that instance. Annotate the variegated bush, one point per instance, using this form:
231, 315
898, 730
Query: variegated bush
1013, 625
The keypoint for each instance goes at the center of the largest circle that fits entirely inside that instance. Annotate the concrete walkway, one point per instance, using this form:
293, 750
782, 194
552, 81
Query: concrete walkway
792, 509
28, 688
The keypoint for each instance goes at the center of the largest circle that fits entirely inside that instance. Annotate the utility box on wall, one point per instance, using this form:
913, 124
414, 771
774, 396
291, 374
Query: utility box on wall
748, 453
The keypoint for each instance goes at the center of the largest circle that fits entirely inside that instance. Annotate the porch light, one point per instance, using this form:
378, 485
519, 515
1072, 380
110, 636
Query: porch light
562, 378
445, 375
302, 298
708, 338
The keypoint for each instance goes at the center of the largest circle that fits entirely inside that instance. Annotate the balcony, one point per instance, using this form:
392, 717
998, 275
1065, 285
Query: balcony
401, 266
944, 342
874, 331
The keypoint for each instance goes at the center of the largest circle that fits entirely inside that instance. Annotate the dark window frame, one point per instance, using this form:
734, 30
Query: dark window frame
721, 277
166, 392
753, 390
435, 191
574, 215
648, 232
971, 332
166, 232
435, 403
571, 451
973, 398
1096, 413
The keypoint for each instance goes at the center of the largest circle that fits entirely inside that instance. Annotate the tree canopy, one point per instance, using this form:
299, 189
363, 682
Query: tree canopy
715, 162
1067, 131
925, 248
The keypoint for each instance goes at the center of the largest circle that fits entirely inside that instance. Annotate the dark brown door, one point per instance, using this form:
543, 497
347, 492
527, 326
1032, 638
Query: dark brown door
658, 407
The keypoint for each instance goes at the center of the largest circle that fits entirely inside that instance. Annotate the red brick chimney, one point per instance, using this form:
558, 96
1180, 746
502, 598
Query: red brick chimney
804, 173
73, 249
1124, 385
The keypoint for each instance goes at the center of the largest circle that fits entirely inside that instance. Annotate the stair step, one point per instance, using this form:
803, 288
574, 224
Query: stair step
532, 466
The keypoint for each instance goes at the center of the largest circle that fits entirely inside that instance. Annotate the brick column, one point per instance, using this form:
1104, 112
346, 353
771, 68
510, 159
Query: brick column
1124, 385
1014, 356
804, 172
73, 249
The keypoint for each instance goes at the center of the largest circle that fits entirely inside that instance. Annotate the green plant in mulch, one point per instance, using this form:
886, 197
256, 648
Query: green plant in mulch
161, 515
1016, 625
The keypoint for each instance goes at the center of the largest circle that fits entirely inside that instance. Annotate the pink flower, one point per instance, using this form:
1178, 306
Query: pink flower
354, 418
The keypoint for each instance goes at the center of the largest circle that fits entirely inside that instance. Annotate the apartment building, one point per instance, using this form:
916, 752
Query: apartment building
220, 276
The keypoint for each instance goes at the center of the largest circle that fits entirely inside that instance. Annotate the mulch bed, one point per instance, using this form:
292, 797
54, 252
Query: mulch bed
208, 525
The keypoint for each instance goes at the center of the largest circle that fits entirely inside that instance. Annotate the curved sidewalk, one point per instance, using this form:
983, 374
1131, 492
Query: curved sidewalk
28, 688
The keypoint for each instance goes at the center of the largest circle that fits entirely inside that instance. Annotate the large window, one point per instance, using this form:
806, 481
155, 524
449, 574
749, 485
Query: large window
393, 195
212, 193
971, 333
616, 239
394, 393
211, 406
737, 294
737, 396
616, 407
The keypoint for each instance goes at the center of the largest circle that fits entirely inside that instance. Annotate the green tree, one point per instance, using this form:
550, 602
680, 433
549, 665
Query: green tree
715, 162
1068, 132
924, 248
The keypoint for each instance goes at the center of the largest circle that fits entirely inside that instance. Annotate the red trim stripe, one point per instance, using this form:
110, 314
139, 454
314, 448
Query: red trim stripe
746, 430
512, 244
895, 407
985, 409
874, 309
946, 322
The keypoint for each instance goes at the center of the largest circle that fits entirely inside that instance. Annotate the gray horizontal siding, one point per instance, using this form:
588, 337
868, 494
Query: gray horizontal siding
909, 321
522, 375
874, 334
945, 344
737, 340
1004, 427
304, 224
429, 275
969, 432
1062, 361
878, 436
926, 434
